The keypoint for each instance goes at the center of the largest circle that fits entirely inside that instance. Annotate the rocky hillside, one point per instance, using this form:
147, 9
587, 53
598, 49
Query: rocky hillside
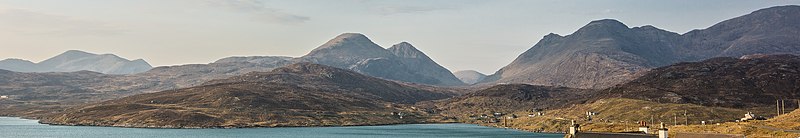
606, 52
401, 62
469, 76
34, 94
722, 82
75, 60
301, 94
508, 98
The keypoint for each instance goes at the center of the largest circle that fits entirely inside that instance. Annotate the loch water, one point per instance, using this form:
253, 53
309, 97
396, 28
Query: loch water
13, 127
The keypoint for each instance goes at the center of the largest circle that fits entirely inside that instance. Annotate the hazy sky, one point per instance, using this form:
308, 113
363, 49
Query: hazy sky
482, 35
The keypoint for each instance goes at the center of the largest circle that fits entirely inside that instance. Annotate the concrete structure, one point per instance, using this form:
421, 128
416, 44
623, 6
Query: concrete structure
573, 129
698, 135
575, 132
663, 132
643, 127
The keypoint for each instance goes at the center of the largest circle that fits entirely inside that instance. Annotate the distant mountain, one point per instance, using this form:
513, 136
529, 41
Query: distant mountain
720, 82
401, 62
74, 60
469, 76
300, 94
606, 52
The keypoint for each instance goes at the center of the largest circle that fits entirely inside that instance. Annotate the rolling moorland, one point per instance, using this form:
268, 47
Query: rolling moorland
302, 94
620, 75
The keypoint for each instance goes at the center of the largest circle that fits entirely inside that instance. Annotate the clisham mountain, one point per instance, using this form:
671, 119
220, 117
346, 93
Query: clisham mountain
74, 60
401, 62
606, 52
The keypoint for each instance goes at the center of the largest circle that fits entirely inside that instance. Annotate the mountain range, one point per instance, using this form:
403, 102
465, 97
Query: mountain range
606, 52
74, 60
34, 93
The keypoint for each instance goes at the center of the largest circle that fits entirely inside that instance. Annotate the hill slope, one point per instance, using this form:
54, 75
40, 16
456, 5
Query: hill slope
722, 82
301, 94
36, 94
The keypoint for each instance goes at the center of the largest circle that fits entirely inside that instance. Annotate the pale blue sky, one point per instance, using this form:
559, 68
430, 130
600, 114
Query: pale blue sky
482, 35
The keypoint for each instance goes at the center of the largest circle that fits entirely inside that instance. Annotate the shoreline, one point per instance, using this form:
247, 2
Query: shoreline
56, 124
226, 127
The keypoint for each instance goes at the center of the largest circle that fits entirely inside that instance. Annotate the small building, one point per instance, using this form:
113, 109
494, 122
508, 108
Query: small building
750, 116
531, 115
498, 114
493, 120
512, 116
473, 117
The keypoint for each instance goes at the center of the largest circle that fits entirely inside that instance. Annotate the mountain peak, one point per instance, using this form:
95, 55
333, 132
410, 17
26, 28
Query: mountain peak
349, 42
607, 22
405, 49
346, 39
602, 28
351, 36
76, 53
604, 24
553, 35
403, 45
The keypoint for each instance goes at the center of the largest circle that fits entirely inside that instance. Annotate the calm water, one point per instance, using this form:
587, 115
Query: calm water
22, 128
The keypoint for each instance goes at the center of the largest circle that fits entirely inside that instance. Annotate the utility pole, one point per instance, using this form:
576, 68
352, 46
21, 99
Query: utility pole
505, 122
783, 106
685, 114
676, 118
778, 105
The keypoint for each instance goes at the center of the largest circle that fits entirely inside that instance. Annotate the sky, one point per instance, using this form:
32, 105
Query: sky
482, 35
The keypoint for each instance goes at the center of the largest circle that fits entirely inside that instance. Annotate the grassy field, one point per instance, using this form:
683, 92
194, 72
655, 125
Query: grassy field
623, 115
